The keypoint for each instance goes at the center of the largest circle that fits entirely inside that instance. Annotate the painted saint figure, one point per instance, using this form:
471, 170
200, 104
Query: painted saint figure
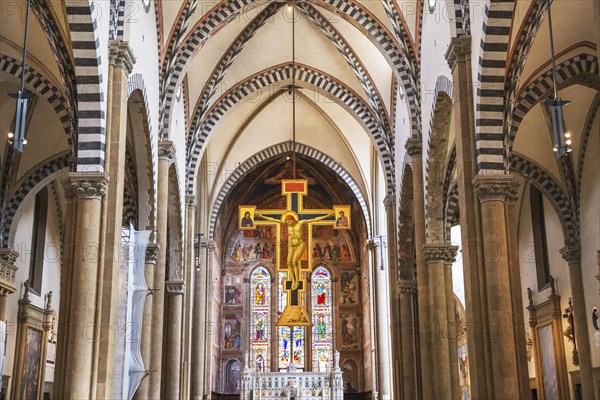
296, 243
321, 293
260, 295
247, 221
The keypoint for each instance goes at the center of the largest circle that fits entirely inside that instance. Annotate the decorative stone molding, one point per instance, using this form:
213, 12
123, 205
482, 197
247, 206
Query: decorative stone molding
414, 147
571, 254
175, 287
166, 150
152, 253
407, 287
496, 188
121, 55
436, 253
389, 202
85, 185
191, 201
459, 50
8, 271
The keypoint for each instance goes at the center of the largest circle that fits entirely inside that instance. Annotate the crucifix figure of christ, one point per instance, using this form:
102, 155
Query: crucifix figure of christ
295, 218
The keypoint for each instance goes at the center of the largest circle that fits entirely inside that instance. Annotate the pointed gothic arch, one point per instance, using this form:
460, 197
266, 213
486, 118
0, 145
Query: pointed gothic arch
275, 151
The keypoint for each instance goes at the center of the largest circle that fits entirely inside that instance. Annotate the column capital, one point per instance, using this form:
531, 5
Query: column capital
436, 253
152, 253
175, 287
166, 150
121, 55
571, 253
389, 201
191, 201
414, 147
8, 271
85, 185
407, 287
459, 50
496, 187
209, 244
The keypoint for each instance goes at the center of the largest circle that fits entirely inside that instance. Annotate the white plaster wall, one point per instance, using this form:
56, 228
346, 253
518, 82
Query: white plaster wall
558, 267
590, 233
50, 277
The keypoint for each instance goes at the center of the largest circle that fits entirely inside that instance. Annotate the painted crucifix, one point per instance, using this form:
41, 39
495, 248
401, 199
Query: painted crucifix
295, 218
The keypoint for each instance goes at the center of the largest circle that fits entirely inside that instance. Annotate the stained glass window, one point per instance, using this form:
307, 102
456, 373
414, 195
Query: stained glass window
322, 320
286, 342
260, 310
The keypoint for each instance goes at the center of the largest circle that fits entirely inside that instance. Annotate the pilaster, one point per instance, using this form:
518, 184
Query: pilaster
175, 290
121, 61
191, 203
414, 148
440, 327
166, 155
152, 251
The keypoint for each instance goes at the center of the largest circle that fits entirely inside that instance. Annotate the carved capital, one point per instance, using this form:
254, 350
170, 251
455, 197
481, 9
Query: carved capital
496, 188
191, 201
85, 185
152, 253
459, 50
166, 150
121, 55
389, 202
414, 147
571, 254
408, 288
175, 287
8, 271
436, 253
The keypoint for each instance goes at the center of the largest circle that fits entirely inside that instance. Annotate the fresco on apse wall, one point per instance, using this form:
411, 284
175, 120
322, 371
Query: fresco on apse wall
328, 244
350, 331
233, 295
255, 245
464, 377
350, 376
31, 372
349, 287
231, 332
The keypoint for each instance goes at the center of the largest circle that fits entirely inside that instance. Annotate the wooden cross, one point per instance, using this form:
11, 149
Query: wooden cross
296, 218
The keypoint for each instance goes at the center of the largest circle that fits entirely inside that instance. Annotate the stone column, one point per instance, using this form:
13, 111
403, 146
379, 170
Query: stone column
190, 268
88, 188
407, 290
572, 255
210, 328
166, 154
439, 258
146, 345
494, 191
175, 290
121, 61
459, 61
382, 321
414, 148
394, 299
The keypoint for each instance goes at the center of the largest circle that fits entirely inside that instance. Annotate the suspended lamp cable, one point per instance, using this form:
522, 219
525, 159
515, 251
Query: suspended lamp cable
18, 138
561, 139
293, 86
